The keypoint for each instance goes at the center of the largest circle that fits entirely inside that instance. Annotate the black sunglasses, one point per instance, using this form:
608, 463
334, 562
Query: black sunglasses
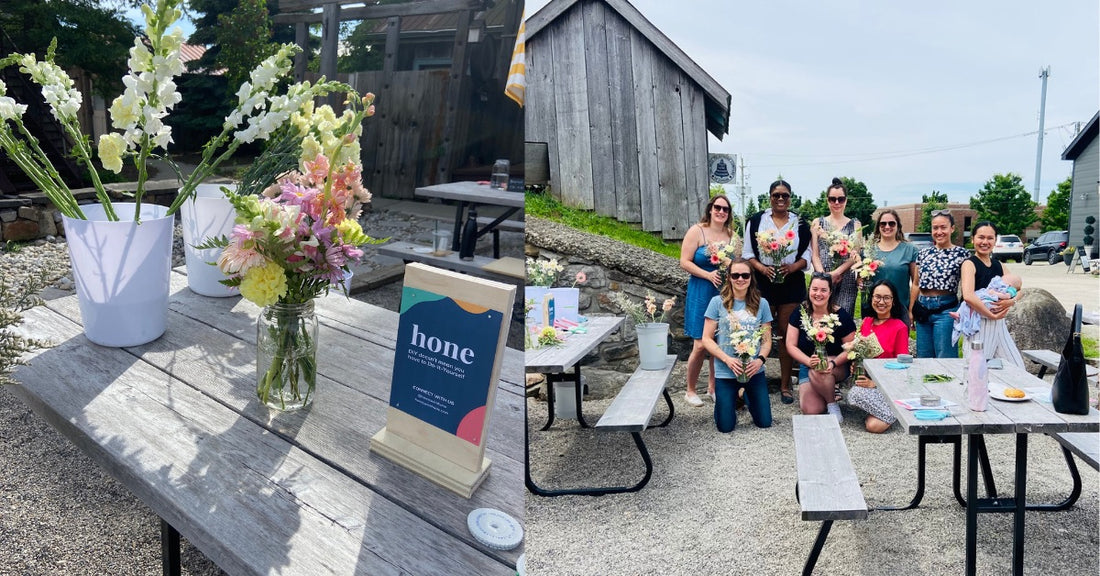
941, 213
838, 199
721, 208
781, 196
887, 224
822, 276
740, 275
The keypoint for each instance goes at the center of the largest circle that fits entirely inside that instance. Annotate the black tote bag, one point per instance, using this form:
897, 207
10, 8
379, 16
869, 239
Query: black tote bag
1070, 392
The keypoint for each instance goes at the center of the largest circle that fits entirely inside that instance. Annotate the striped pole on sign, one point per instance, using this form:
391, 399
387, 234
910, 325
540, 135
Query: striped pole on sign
517, 72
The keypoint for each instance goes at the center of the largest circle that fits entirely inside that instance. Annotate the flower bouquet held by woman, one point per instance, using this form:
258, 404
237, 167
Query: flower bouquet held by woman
777, 246
820, 333
296, 241
861, 348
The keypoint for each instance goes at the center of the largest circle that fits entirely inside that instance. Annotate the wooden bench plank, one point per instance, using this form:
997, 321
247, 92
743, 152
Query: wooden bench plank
632, 408
828, 488
409, 252
505, 225
1085, 445
1051, 359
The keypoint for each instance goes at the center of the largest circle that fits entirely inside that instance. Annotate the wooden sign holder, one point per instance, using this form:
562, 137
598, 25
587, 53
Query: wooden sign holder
444, 457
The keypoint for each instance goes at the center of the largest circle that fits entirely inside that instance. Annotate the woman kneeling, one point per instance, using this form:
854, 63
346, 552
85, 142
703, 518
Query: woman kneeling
893, 335
737, 333
815, 338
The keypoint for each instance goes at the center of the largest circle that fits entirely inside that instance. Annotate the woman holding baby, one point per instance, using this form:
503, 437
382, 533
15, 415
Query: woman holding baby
977, 273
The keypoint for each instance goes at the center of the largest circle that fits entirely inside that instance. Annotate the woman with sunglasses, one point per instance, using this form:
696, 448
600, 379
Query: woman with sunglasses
899, 260
817, 397
739, 302
783, 296
716, 226
938, 269
893, 336
837, 267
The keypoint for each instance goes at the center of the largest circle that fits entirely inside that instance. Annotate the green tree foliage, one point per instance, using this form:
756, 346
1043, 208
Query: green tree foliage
205, 14
1006, 203
244, 39
1056, 214
931, 202
90, 37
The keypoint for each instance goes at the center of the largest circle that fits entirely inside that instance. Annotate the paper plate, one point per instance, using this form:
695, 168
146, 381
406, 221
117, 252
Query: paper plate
521, 565
494, 528
929, 414
1000, 395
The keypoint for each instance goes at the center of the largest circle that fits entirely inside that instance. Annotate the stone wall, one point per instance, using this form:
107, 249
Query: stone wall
612, 266
30, 216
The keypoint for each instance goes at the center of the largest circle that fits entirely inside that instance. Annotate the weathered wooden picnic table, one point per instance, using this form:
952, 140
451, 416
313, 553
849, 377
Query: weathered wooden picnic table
471, 194
177, 421
1002, 417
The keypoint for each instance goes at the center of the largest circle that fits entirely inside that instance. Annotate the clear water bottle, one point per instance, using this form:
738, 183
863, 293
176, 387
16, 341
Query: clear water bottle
977, 379
499, 179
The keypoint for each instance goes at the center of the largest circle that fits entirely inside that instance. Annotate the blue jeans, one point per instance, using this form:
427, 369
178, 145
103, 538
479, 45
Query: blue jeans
756, 397
934, 336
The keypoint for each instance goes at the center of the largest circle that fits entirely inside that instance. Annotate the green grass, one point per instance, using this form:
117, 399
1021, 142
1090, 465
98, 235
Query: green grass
1091, 347
543, 205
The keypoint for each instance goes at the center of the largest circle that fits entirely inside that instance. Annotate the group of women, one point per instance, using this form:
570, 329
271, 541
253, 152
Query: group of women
760, 294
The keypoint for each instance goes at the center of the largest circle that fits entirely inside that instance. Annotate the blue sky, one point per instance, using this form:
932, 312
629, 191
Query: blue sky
906, 97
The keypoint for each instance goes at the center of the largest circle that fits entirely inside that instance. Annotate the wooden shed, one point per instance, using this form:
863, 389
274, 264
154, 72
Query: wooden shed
442, 114
1084, 199
624, 114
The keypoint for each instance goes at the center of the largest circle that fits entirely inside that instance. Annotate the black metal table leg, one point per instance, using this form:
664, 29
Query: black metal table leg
1074, 494
815, 552
575, 378
971, 505
169, 549
1020, 505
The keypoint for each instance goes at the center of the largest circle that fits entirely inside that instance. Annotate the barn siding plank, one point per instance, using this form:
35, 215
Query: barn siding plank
571, 102
599, 108
670, 150
624, 132
643, 60
539, 110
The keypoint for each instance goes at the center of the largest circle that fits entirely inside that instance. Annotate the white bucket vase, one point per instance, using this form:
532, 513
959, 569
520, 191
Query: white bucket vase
566, 303
652, 345
208, 215
121, 271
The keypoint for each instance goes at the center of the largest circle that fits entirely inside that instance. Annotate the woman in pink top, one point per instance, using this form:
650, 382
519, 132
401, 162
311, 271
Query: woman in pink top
893, 336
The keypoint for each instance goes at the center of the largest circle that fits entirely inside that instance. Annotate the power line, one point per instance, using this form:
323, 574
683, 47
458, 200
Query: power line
866, 157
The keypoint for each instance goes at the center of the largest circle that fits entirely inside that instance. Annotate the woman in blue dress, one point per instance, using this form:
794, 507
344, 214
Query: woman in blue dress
715, 227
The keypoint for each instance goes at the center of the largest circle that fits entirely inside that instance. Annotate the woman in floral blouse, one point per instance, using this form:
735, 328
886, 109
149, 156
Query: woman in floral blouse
938, 269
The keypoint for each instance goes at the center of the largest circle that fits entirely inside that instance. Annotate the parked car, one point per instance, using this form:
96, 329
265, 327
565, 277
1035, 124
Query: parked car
919, 240
1048, 246
1008, 247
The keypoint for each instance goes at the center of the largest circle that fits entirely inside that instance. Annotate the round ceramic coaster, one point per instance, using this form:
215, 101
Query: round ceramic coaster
521, 565
494, 528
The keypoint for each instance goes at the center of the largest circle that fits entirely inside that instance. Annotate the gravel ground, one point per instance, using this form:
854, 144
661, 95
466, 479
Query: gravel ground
724, 504
59, 512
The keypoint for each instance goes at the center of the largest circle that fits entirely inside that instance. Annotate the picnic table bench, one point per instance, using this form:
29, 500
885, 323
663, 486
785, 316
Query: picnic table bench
827, 487
1050, 359
509, 270
495, 225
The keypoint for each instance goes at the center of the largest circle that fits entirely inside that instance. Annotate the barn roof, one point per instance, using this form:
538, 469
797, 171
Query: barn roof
717, 98
1083, 139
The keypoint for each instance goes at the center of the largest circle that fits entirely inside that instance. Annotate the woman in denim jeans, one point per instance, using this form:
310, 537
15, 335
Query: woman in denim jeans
739, 301
938, 269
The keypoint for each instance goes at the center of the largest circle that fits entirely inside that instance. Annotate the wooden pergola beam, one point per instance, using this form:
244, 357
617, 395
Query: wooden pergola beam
291, 11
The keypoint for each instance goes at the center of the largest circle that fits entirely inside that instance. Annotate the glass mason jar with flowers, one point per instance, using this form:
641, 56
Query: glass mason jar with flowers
297, 240
776, 246
820, 332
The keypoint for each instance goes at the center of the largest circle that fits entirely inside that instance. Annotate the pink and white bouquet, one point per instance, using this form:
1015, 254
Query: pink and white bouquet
820, 333
842, 246
646, 312
297, 240
776, 246
722, 253
861, 348
745, 339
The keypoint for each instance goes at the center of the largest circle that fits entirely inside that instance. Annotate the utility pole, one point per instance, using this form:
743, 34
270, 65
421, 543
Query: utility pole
1044, 73
742, 191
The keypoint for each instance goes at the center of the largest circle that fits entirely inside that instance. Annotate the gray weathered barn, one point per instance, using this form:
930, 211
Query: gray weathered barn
624, 114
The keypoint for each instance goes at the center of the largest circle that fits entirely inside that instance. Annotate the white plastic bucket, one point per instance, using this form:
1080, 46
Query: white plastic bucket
565, 400
208, 215
121, 270
652, 345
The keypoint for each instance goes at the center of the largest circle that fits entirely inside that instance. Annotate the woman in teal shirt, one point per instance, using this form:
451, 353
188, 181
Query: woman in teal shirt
899, 260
